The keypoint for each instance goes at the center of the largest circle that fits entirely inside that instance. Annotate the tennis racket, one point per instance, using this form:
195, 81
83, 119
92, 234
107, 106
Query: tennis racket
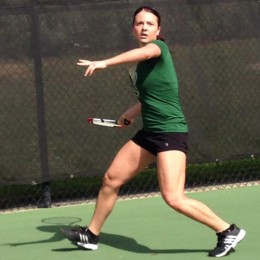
106, 122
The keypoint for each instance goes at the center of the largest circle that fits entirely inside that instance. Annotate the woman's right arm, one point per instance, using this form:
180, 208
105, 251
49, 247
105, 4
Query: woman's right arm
149, 51
130, 114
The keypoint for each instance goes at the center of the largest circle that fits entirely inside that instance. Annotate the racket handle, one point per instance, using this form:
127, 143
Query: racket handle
126, 122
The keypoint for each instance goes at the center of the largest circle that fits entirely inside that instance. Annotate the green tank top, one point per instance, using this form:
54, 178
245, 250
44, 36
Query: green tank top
157, 88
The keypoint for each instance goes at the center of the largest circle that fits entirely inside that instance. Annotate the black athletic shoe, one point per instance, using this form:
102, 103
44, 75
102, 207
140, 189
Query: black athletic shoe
81, 237
227, 240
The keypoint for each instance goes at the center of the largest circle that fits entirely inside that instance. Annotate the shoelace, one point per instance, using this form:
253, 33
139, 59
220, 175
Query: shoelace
79, 229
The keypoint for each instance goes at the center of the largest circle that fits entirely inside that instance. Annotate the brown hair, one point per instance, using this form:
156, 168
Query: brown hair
150, 10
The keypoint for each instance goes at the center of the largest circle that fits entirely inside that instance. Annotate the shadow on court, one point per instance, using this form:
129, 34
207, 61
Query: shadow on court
55, 237
111, 240
53, 226
131, 245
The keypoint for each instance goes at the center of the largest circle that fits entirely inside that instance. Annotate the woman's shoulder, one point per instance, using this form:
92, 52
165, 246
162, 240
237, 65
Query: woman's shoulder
161, 44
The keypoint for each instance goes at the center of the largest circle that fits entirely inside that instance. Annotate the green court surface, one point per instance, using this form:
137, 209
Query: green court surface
137, 229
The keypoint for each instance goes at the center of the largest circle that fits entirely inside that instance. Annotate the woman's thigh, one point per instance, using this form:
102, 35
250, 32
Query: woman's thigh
171, 167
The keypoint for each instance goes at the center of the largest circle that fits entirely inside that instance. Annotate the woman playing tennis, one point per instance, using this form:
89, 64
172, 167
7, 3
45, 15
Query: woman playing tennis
164, 138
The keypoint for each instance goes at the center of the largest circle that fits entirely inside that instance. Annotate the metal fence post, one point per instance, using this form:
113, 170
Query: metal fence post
39, 86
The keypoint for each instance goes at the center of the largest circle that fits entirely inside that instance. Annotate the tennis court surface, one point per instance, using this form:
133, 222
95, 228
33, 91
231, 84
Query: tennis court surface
137, 229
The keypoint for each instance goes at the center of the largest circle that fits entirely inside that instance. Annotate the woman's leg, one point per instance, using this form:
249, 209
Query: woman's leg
171, 175
130, 160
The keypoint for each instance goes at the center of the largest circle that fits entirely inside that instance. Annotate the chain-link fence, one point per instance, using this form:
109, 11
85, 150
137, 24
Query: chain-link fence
45, 100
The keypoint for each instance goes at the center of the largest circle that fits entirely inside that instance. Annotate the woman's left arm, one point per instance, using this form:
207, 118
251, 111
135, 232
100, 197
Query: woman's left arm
149, 51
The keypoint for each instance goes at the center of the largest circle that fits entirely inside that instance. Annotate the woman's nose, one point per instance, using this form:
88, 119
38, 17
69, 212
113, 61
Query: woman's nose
145, 27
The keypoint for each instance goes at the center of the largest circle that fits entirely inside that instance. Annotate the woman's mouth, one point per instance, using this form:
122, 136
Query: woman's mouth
143, 35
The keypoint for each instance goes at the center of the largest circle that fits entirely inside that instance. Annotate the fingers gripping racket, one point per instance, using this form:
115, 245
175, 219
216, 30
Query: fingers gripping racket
106, 122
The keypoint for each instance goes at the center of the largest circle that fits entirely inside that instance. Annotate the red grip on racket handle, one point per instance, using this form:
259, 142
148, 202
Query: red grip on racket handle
127, 122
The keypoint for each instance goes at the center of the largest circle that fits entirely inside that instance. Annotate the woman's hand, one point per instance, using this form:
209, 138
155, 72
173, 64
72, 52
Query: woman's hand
92, 66
124, 122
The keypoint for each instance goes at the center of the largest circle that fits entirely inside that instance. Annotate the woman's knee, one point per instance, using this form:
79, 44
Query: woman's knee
111, 182
176, 202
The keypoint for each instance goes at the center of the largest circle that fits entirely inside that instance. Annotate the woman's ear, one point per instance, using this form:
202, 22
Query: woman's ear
158, 31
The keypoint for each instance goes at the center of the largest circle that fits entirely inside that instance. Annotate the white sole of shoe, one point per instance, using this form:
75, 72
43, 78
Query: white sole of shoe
88, 246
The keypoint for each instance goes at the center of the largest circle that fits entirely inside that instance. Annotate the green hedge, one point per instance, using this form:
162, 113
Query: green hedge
86, 188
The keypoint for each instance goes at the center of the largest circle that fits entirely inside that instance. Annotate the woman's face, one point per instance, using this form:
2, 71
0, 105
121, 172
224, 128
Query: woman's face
145, 27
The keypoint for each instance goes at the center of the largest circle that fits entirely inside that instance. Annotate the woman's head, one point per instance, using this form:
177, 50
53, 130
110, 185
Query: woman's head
149, 10
146, 25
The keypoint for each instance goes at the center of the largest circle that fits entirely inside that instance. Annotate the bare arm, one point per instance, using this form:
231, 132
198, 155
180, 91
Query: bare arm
136, 55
